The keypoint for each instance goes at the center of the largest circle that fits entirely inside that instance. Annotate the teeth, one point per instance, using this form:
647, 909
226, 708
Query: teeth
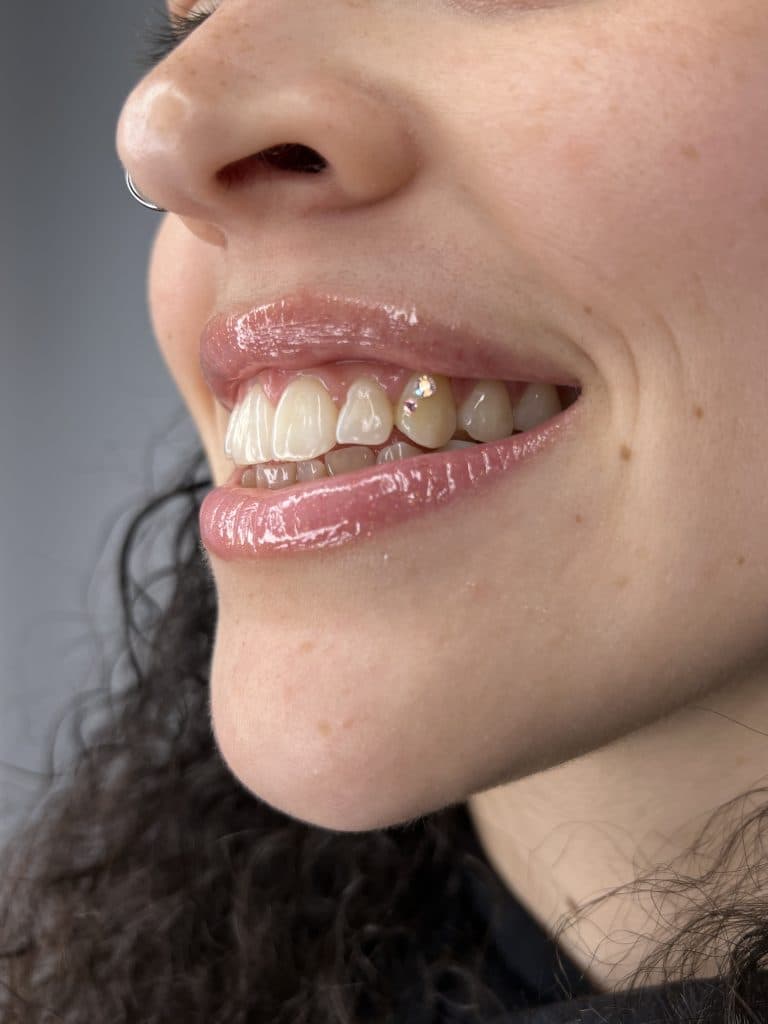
310, 470
252, 440
306, 424
366, 417
398, 450
305, 420
486, 412
347, 460
249, 434
537, 403
272, 477
453, 445
426, 411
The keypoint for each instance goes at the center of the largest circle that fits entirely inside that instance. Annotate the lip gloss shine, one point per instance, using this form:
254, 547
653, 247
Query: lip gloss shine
250, 523
306, 329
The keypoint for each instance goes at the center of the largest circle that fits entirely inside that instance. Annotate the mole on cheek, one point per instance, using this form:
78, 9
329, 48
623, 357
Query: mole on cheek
625, 452
698, 412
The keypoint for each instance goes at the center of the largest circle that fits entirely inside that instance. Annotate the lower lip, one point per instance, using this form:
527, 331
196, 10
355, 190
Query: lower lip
252, 523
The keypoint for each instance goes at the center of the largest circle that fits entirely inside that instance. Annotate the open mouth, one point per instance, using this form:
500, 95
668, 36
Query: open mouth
348, 416
289, 428
332, 454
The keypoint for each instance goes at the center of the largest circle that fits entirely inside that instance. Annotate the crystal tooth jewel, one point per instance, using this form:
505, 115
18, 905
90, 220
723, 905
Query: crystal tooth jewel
426, 411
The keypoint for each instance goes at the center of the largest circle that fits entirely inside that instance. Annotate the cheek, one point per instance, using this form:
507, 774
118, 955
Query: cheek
653, 157
181, 299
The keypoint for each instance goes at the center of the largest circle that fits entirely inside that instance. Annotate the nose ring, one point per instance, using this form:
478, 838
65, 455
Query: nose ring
139, 197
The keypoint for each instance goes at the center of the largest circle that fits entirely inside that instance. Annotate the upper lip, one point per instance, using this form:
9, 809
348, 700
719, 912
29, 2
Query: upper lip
307, 329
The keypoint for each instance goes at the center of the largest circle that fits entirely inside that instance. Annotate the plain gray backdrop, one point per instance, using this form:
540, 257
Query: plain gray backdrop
86, 401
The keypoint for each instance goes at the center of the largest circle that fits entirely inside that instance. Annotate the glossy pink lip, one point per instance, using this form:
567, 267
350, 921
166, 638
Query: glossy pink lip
252, 523
305, 330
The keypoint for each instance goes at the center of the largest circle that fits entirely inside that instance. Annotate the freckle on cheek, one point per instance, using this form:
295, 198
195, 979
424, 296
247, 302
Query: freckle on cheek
690, 152
324, 727
740, 560
625, 452
698, 412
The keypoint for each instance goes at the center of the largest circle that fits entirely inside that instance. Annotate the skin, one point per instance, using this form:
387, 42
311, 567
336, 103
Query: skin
583, 654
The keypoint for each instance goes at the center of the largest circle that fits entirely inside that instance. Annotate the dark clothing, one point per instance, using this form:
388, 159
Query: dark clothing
522, 969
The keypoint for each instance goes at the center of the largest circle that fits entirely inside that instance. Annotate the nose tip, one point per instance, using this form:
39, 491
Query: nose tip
218, 148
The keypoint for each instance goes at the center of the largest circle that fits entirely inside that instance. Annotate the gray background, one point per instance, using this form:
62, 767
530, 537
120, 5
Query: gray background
89, 416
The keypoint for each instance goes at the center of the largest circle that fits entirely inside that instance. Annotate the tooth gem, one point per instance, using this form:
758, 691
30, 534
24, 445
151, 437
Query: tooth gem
429, 421
425, 387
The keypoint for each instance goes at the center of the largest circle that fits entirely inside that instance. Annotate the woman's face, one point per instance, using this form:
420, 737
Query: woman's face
584, 179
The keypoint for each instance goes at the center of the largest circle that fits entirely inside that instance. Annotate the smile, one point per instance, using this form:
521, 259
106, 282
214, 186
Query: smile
330, 452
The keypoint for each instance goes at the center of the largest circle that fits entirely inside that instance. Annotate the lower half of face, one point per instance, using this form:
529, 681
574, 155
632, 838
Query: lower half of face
611, 578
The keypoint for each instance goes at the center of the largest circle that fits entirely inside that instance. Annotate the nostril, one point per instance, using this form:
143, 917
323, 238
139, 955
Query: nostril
292, 156
288, 156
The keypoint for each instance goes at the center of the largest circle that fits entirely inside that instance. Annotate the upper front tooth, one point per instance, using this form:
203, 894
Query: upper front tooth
537, 403
426, 411
235, 440
305, 420
486, 412
249, 434
366, 416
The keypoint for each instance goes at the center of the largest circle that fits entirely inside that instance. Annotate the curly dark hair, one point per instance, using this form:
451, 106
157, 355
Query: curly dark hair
148, 885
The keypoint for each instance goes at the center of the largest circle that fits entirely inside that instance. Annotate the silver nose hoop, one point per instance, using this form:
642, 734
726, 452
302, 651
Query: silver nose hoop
139, 197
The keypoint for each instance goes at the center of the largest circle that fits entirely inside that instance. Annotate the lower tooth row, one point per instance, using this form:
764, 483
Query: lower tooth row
334, 463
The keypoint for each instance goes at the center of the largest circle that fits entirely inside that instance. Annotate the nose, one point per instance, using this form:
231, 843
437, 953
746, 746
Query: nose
251, 117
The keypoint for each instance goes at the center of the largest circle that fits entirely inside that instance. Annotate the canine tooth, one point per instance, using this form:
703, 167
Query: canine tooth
486, 412
276, 476
305, 421
236, 441
537, 403
311, 470
453, 445
249, 434
347, 460
398, 450
366, 416
261, 422
426, 411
